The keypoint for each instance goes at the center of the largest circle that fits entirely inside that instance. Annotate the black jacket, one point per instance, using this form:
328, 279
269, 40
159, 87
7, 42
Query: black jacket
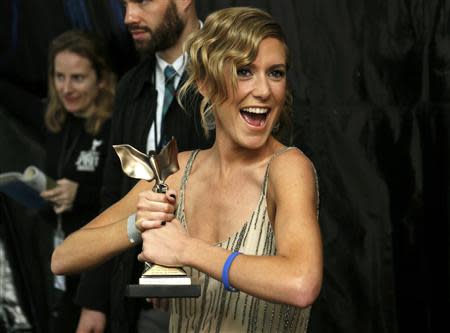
134, 113
78, 156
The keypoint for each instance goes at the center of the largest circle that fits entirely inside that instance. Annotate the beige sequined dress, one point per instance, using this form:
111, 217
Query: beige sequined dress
218, 310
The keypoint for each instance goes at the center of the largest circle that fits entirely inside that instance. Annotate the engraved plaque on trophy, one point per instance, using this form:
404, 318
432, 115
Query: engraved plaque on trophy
156, 280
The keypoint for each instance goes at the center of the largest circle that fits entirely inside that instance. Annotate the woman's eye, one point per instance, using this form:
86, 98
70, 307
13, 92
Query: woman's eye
244, 72
277, 74
78, 78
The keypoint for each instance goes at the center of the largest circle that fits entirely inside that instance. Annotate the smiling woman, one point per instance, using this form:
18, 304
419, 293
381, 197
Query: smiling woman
81, 87
76, 83
80, 81
260, 91
244, 221
225, 63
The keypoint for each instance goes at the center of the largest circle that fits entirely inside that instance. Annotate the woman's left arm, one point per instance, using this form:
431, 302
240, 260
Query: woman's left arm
294, 274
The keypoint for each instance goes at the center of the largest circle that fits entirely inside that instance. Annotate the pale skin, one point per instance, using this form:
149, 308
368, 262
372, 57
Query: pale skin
77, 86
226, 178
62, 196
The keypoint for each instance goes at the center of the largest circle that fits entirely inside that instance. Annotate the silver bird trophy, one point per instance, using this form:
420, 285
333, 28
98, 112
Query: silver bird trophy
156, 280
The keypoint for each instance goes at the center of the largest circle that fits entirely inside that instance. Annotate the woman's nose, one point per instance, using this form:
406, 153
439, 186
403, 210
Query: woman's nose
67, 86
261, 88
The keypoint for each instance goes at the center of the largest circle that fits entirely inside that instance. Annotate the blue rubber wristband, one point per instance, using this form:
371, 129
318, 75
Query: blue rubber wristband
226, 271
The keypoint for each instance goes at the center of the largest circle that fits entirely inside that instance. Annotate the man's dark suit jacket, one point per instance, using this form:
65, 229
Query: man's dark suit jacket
135, 107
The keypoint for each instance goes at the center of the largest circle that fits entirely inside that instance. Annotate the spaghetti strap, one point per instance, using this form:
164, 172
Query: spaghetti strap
275, 155
187, 169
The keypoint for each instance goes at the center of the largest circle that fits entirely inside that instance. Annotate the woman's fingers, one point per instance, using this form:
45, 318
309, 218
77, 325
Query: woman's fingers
148, 224
51, 194
63, 194
171, 196
153, 209
141, 257
156, 202
149, 196
163, 245
156, 223
155, 206
154, 216
147, 219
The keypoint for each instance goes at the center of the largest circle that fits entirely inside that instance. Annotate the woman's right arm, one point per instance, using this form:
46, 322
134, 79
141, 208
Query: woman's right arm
100, 239
106, 235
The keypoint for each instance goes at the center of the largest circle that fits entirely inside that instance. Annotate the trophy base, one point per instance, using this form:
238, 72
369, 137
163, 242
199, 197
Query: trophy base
162, 275
162, 281
162, 291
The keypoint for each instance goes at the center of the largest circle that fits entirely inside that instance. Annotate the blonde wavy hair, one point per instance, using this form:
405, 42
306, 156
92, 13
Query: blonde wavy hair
90, 47
230, 38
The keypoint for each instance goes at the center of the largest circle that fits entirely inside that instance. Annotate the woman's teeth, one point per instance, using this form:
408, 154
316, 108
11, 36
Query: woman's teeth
255, 116
256, 110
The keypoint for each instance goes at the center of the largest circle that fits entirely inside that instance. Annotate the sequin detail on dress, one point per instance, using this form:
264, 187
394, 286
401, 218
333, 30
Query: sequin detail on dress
218, 310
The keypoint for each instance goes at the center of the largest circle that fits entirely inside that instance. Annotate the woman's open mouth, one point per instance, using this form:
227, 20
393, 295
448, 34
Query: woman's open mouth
70, 100
255, 116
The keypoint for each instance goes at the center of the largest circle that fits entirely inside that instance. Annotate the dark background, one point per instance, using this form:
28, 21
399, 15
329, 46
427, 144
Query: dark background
371, 86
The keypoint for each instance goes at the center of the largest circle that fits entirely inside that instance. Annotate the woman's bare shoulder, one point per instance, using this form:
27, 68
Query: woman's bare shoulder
291, 156
291, 165
293, 184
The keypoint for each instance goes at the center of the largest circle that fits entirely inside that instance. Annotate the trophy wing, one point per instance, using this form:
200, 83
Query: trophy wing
134, 163
167, 159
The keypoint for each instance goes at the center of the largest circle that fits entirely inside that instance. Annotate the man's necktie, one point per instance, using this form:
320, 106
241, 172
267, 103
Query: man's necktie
169, 91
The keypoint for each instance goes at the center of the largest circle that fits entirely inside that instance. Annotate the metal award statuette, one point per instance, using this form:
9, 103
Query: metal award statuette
156, 280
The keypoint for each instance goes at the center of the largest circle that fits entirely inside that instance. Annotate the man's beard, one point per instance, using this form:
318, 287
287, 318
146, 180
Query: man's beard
165, 35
